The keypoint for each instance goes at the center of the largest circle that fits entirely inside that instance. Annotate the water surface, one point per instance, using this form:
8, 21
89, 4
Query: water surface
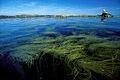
23, 38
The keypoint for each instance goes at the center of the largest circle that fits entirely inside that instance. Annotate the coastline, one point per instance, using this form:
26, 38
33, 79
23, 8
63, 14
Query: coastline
55, 16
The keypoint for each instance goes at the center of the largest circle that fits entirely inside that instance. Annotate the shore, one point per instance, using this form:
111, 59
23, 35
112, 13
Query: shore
56, 16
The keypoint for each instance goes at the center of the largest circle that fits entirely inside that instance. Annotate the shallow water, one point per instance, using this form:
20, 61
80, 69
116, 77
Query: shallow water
13, 29
24, 37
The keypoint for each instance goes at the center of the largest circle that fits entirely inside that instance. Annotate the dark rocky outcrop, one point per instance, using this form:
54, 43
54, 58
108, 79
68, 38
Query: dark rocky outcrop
106, 14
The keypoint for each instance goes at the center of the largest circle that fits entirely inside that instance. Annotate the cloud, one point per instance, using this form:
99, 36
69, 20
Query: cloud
98, 8
35, 11
92, 11
52, 9
118, 8
20, 6
5, 12
30, 4
13, 8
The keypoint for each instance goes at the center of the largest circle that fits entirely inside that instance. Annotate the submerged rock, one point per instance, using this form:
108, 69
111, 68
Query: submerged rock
106, 14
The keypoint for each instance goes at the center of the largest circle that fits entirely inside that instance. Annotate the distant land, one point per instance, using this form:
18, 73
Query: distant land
57, 16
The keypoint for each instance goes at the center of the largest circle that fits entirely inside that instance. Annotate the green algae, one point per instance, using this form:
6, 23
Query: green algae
50, 28
110, 44
50, 33
71, 26
81, 65
75, 53
76, 37
83, 56
47, 40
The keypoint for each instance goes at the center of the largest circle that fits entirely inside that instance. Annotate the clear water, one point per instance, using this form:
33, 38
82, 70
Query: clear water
23, 38
14, 29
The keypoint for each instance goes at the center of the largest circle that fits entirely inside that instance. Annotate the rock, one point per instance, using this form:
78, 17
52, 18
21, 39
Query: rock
106, 14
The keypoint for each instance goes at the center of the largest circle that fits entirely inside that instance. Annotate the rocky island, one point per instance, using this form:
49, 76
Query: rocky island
106, 14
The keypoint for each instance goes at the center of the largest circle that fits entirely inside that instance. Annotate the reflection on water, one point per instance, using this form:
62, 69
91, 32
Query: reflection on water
83, 44
103, 19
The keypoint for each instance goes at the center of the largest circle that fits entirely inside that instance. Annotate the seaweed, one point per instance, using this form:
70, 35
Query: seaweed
77, 57
70, 52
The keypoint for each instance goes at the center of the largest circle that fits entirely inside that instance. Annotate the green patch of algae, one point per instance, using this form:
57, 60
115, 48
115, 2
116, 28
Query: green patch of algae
74, 52
50, 28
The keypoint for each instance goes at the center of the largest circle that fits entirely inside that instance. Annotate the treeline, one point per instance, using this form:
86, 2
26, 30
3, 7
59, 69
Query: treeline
59, 16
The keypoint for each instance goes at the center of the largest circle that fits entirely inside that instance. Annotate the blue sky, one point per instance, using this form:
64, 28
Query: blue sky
50, 7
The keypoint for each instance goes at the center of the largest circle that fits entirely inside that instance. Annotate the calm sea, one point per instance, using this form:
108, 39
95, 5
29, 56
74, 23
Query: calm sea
15, 32
22, 38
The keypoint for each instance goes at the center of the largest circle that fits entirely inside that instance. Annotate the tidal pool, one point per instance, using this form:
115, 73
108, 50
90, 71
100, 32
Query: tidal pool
74, 48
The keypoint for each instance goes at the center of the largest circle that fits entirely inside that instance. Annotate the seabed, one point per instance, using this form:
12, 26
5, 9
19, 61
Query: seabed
63, 52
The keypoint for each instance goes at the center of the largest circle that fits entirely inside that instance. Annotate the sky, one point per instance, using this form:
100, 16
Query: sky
53, 7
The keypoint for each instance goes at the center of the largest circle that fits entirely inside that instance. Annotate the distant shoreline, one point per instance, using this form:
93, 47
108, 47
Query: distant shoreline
54, 16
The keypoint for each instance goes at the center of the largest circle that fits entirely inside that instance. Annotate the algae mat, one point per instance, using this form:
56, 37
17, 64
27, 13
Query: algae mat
73, 48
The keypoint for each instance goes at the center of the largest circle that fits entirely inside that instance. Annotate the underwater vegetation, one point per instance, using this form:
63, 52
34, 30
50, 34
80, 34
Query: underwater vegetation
78, 60
62, 52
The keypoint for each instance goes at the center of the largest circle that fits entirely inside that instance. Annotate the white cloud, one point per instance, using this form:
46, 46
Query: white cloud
30, 4
93, 11
118, 8
98, 8
51, 9
13, 8
20, 6
6, 12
